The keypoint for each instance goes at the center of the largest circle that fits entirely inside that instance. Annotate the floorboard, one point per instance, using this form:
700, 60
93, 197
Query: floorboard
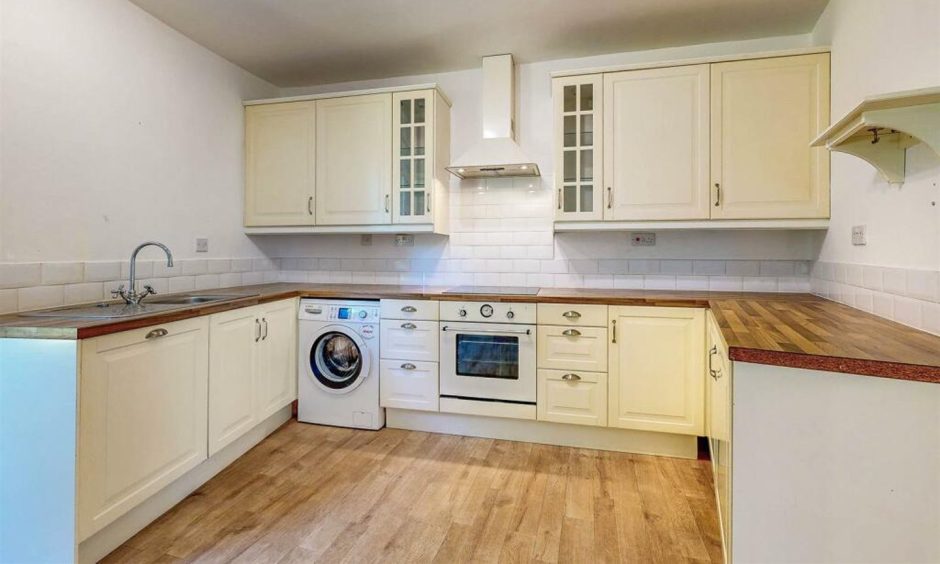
311, 493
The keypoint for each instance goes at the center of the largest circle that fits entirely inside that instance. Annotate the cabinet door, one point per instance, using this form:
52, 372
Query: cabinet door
233, 361
574, 348
409, 385
276, 378
656, 144
142, 416
577, 106
409, 340
354, 160
413, 160
656, 369
572, 397
765, 113
280, 164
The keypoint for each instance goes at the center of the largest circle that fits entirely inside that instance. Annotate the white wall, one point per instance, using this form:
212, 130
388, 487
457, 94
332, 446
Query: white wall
503, 234
116, 129
881, 46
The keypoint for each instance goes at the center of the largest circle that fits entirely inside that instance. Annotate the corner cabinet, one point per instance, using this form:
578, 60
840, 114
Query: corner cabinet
704, 144
355, 162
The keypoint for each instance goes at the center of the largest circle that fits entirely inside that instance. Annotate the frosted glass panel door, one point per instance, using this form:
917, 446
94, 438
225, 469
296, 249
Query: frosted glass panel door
578, 152
413, 156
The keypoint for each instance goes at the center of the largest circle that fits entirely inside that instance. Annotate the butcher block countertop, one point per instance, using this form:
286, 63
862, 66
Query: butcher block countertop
793, 330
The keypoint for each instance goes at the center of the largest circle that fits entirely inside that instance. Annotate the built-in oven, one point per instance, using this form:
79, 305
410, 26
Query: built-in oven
488, 351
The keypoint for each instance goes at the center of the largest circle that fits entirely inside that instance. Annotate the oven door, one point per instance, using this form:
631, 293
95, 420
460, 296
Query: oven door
488, 361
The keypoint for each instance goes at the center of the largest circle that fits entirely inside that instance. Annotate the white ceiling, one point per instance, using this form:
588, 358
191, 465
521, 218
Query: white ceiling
306, 42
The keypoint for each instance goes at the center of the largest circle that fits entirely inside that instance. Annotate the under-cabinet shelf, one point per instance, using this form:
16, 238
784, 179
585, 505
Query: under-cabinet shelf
882, 127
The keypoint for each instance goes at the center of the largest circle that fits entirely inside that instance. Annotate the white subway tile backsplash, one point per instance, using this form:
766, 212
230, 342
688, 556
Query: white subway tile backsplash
582, 266
19, 275
777, 268
643, 266
708, 267
230, 279
182, 284
931, 313
84, 292
872, 277
249, 278
743, 268
62, 272
672, 266
659, 282
39, 297
760, 284
895, 280
697, 283
143, 269
206, 281
623, 282
241, 265
726, 283
923, 285
598, 280
8, 301
218, 266
907, 311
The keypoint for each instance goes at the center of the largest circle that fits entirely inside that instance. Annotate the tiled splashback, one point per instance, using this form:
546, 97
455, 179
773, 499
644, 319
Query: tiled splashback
35, 285
908, 296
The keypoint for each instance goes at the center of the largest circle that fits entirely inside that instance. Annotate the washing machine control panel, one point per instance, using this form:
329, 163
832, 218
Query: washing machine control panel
352, 313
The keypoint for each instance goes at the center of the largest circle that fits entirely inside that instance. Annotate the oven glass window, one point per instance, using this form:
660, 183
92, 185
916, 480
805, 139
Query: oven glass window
488, 356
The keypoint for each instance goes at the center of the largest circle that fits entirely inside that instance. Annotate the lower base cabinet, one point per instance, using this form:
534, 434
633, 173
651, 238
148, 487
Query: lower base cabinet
572, 397
409, 385
719, 381
657, 358
142, 416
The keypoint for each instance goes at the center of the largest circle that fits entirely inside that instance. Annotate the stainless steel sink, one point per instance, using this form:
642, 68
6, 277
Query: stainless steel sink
113, 310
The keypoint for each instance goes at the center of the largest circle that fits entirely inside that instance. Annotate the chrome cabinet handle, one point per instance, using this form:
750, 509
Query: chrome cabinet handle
386, 203
559, 198
408, 366
571, 377
571, 315
408, 326
571, 333
310, 205
265, 323
716, 374
427, 198
157, 333
610, 198
475, 331
409, 309
717, 194
257, 330
613, 332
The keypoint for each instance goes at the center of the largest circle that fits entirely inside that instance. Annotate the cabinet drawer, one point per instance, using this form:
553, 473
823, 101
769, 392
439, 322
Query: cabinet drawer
410, 309
574, 348
409, 385
572, 397
409, 340
582, 315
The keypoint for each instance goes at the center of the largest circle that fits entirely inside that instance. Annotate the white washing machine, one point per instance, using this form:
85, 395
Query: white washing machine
339, 364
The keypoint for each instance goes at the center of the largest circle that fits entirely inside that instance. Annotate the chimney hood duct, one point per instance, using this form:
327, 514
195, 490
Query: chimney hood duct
497, 154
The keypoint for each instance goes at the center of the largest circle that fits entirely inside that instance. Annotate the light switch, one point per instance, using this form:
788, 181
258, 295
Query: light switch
858, 235
202, 245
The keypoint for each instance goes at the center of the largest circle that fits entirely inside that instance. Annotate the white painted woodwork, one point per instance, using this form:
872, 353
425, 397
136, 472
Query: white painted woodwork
656, 144
354, 160
698, 225
657, 357
277, 359
409, 340
578, 113
409, 385
142, 416
488, 408
413, 156
574, 348
575, 315
581, 401
280, 165
765, 114
428, 310
718, 423
233, 364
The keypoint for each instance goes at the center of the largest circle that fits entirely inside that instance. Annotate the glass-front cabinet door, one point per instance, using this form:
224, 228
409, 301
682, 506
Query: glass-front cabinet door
413, 156
578, 153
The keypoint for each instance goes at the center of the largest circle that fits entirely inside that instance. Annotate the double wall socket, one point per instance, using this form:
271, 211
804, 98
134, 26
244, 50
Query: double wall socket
643, 239
402, 240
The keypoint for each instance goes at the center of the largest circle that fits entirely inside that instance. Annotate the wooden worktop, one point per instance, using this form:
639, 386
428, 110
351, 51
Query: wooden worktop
793, 330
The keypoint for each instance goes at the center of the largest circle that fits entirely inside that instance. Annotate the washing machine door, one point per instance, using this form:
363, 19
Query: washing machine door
338, 360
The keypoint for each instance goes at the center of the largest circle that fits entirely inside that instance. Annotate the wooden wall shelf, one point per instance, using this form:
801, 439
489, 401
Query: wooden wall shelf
882, 127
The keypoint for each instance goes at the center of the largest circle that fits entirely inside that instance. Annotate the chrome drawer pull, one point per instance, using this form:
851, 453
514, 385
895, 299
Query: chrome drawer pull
408, 366
408, 326
157, 333
571, 333
716, 374
570, 377
257, 330
409, 309
571, 315
497, 331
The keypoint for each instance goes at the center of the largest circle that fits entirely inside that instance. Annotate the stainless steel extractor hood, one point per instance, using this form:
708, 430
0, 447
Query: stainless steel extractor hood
497, 154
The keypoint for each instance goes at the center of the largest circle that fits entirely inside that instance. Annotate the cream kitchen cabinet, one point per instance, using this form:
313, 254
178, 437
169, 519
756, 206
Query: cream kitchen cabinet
410, 354
566, 396
421, 150
409, 385
280, 164
575, 348
252, 368
765, 114
719, 413
354, 160
656, 367
578, 124
656, 144
142, 416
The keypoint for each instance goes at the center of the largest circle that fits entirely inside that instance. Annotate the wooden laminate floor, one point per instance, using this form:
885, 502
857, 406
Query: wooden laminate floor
310, 493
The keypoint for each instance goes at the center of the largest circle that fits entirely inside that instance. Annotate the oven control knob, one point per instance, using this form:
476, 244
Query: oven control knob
462, 312
510, 314
486, 310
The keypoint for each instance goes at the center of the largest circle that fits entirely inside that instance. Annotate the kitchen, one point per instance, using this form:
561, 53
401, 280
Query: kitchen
632, 283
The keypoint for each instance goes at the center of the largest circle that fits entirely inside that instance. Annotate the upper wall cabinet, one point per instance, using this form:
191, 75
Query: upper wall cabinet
765, 114
280, 141
711, 145
359, 162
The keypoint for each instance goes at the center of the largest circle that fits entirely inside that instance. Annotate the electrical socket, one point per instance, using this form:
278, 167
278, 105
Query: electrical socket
402, 240
859, 236
365, 240
643, 239
202, 245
